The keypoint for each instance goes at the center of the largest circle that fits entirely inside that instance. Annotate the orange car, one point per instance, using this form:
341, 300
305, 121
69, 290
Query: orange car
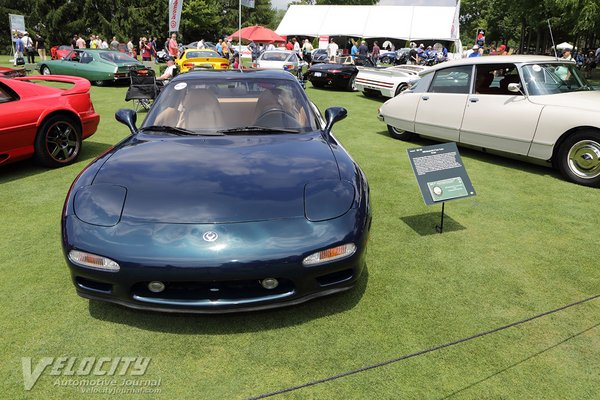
201, 58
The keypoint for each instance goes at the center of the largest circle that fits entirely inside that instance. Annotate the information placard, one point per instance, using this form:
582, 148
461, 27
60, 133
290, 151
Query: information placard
440, 173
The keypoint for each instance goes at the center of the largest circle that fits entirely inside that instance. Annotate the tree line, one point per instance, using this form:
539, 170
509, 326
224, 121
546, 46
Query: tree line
58, 20
524, 23
513, 22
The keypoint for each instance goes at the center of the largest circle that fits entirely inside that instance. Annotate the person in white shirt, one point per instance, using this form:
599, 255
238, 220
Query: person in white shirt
332, 49
297, 47
28, 48
169, 71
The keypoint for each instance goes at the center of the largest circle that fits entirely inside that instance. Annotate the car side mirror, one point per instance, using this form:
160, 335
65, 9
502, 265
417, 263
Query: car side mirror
333, 115
514, 88
127, 117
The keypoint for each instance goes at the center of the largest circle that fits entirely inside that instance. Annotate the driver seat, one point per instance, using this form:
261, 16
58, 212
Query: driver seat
266, 101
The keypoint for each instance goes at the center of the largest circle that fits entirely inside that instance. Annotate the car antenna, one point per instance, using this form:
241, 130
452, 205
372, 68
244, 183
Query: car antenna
552, 38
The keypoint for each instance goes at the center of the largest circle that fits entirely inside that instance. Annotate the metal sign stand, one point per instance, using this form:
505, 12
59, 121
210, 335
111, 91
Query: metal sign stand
440, 228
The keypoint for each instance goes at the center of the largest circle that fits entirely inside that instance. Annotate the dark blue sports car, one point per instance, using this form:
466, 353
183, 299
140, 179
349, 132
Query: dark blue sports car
232, 195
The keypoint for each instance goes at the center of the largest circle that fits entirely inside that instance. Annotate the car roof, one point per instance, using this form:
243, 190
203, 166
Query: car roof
516, 59
99, 50
279, 51
234, 74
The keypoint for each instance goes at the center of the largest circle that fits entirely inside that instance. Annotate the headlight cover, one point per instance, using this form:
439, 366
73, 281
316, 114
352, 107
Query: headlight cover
100, 204
327, 199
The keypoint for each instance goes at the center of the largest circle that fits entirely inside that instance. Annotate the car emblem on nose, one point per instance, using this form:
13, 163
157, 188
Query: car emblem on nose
210, 236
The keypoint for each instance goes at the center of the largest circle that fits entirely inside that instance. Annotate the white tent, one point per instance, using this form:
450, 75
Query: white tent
564, 45
397, 22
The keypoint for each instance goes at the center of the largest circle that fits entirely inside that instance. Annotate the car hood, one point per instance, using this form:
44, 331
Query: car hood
587, 100
217, 179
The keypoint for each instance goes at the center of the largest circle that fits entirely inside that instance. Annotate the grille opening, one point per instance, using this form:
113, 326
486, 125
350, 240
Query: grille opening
224, 290
335, 277
96, 286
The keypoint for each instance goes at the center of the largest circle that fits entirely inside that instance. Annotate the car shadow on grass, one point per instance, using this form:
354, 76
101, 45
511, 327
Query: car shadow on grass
218, 324
425, 224
29, 167
485, 156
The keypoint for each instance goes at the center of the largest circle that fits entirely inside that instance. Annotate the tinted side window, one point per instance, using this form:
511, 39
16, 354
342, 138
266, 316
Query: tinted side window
495, 78
452, 80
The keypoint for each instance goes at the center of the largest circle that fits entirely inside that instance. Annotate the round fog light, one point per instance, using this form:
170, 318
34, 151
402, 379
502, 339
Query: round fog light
156, 286
269, 283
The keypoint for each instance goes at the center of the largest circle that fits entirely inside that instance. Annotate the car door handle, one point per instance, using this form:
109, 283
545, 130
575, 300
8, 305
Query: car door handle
473, 99
425, 97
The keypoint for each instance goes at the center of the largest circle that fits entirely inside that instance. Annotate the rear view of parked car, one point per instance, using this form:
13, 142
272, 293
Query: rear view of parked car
281, 60
44, 122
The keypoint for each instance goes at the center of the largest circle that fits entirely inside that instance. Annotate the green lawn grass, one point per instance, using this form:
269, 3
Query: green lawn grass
524, 245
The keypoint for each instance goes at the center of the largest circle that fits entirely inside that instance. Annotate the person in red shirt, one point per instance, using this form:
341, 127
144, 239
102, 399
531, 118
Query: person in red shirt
289, 45
146, 50
173, 47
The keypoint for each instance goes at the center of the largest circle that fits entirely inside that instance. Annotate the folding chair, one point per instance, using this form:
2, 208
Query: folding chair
142, 89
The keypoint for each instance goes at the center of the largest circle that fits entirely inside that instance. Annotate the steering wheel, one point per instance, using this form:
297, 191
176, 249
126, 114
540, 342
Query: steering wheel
276, 117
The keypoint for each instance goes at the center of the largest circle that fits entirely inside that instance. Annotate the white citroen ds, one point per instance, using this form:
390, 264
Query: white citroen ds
537, 107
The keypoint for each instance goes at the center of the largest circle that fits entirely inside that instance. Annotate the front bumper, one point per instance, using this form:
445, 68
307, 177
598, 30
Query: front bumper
214, 278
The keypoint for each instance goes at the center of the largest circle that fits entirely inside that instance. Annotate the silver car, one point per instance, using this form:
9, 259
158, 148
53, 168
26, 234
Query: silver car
282, 59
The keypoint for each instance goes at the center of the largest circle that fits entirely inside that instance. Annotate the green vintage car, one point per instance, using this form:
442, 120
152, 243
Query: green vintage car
98, 66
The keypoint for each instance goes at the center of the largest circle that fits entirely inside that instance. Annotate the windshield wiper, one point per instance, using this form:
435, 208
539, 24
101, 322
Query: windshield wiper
169, 129
257, 129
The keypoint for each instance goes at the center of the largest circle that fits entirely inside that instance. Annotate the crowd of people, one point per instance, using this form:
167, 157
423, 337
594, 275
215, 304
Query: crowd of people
27, 48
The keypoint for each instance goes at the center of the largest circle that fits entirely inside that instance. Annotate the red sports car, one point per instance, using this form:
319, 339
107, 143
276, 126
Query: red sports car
12, 72
45, 122
58, 52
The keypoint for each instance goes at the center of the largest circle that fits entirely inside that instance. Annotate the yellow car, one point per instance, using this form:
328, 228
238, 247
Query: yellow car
201, 58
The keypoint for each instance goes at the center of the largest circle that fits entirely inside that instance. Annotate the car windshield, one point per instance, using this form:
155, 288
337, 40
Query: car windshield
275, 56
553, 78
202, 54
116, 57
233, 106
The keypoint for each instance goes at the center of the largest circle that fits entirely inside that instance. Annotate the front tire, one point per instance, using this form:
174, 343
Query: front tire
399, 133
58, 141
99, 83
44, 70
578, 158
386, 60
